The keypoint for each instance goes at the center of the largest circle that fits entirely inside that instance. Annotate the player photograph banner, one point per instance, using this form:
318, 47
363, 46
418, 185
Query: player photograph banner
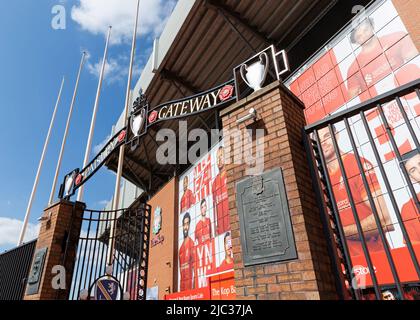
205, 245
372, 56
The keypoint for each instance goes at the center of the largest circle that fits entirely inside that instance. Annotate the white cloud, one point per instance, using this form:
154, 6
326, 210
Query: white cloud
113, 70
10, 230
116, 69
95, 16
102, 203
97, 148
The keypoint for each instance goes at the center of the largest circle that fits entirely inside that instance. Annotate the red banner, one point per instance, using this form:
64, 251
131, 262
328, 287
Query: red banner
403, 263
222, 287
196, 294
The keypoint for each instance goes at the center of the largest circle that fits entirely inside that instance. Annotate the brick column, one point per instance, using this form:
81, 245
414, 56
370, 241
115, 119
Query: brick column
310, 276
64, 223
409, 12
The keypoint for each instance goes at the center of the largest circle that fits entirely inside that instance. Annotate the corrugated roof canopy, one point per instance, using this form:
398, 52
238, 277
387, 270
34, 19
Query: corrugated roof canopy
215, 37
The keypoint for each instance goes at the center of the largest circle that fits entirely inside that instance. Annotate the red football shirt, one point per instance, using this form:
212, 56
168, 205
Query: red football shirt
186, 264
374, 64
221, 203
203, 230
411, 218
359, 194
187, 200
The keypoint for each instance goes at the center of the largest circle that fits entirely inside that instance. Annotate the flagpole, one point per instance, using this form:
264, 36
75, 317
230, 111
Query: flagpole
95, 110
63, 144
116, 199
41, 162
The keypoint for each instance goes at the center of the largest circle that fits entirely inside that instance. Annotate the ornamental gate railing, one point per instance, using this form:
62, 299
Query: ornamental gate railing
123, 235
364, 162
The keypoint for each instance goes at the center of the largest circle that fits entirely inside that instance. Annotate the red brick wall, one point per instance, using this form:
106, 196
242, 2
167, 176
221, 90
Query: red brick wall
409, 11
162, 269
310, 276
51, 236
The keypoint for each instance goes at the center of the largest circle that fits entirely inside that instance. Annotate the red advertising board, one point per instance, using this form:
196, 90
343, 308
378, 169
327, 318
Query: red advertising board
403, 264
195, 294
222, 286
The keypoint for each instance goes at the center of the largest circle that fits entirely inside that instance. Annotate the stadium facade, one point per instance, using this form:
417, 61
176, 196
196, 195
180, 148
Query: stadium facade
328, 208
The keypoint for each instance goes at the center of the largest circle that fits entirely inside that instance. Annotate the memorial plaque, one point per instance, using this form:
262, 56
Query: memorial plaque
35, 274
264, 217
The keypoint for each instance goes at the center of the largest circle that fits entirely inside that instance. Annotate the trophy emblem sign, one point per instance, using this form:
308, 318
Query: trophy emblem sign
137, 122
138, 118
256, 72
69, 182
68, 185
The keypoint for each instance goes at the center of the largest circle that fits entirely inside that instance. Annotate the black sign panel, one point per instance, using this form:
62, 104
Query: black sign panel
264, 217
211, 99
75, 179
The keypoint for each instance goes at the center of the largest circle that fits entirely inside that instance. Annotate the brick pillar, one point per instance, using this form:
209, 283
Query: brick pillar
409, 12
65, 219
310, 276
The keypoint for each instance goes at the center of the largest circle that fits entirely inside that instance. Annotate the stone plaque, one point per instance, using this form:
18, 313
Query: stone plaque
35, 274
264, 217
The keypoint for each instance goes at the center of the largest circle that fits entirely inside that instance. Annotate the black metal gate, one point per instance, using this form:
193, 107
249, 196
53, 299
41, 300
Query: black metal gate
361, 196
14, 270
118, 237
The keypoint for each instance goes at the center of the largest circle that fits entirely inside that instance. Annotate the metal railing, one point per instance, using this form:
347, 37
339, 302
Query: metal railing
331, 171
14, 270
129, 248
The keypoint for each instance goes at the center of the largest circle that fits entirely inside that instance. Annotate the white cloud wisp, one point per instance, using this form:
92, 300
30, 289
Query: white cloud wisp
95, 16
10, 230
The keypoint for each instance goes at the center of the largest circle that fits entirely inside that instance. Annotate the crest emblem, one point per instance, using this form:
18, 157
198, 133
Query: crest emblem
153, 116
157, 220
107, 289
79, 179
258, 185
226, 92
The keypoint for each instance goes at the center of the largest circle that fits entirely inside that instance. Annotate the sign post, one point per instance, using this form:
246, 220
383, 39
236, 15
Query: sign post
121, 151
66, 130
95, 110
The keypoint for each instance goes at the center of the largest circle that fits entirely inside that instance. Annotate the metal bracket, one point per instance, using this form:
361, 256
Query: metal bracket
252, 114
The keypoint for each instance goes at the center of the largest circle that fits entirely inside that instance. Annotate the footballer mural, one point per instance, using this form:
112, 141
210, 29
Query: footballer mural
205, 246
371, 56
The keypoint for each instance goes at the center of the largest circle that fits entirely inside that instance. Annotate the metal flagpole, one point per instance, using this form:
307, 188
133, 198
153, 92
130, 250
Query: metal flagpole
41, 162
121, 151
60, 157
95, 110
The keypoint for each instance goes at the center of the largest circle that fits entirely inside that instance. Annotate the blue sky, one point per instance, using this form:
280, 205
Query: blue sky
33, 59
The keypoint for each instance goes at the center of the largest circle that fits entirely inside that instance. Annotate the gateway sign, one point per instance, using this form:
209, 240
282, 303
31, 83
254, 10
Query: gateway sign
142, 118
76, 178
213, 98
